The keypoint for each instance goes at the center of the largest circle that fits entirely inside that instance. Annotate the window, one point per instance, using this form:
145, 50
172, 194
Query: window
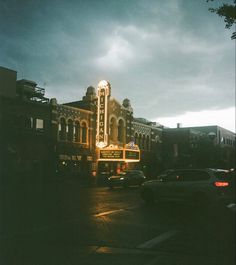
77, 131
62, 129
144, 142
140, 141
121, 131
39, 124
173, 176
113, 129
84, 133
70, 134
194, 175
28, 122
147, 143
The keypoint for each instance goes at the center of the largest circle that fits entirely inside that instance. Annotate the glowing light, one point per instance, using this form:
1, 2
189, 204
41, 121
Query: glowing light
102, 115
103, 84
221, 184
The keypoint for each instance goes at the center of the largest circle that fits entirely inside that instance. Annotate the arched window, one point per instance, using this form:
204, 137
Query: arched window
140, 141
28, 122
84, 132
148, 143
144, 142
113, 129
62, 129
121, 132
77, 131
70, 134
136, 138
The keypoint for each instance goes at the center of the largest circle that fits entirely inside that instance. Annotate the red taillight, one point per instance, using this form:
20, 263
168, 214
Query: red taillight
221, 184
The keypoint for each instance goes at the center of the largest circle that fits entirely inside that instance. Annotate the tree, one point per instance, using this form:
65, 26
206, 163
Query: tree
228, 12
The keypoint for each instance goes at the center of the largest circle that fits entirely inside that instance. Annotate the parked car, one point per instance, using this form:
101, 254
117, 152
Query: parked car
127, 178
198, 186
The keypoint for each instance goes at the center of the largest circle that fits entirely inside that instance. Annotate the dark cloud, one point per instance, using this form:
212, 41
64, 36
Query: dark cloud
167, 57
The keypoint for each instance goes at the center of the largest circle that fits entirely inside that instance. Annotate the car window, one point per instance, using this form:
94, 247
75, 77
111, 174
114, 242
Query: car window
194, 175
173, 176
223, 174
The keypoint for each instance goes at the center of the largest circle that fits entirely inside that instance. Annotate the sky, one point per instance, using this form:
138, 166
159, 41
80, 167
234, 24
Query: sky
174, 60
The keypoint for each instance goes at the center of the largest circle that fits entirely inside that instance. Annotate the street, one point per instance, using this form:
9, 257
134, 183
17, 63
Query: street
64, 223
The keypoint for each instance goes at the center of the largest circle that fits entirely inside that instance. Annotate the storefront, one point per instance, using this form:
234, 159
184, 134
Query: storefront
74, 162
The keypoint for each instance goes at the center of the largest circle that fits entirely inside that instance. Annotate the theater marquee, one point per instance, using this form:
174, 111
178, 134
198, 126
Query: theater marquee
114, 153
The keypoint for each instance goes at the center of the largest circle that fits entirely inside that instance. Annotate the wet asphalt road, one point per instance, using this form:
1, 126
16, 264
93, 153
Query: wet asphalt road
64, 223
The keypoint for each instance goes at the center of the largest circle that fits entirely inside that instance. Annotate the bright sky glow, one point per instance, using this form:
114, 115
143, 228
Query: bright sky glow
224, 118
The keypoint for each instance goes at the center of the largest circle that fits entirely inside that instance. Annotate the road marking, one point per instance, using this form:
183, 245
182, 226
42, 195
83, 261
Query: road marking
232, 207
117, 250
151, 243
108, 212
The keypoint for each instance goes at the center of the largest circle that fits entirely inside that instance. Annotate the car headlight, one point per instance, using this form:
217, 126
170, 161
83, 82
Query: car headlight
121, 178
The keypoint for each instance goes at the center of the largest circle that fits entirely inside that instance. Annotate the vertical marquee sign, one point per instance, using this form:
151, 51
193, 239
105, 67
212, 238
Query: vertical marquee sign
102, 113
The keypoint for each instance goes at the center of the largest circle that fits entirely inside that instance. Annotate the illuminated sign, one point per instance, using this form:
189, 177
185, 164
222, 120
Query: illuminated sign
115, 153
111, 154
102, 108
133, 155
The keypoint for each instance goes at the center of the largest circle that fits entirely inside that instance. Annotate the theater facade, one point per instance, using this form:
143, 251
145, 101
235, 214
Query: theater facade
84, 139
98, 136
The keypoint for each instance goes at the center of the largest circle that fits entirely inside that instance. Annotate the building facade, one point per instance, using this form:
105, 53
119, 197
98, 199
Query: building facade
26, 148
205, 146
91, 138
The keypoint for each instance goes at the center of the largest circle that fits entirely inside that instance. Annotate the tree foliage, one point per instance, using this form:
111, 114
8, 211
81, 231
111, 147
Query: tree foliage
228, 12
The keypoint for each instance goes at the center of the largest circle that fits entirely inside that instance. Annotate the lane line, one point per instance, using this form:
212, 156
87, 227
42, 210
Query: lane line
232, 207
119, 250
156, 240
108, 212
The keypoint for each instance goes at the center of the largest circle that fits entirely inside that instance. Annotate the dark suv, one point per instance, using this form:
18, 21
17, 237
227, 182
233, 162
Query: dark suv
127, 178
199, 186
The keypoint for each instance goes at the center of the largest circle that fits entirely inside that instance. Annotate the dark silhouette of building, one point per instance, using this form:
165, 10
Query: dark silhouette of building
25, 135
205, 146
